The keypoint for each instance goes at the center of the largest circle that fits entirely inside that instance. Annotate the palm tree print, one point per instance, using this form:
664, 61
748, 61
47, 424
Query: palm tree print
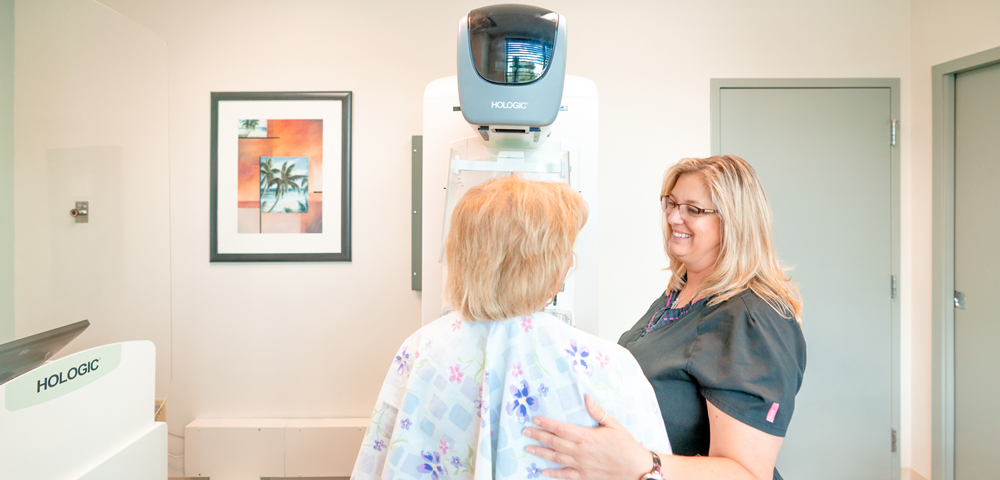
250, 125
267, 174
287, 181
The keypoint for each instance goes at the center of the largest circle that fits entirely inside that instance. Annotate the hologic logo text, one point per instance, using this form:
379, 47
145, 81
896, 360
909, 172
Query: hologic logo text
74, 372
514, 105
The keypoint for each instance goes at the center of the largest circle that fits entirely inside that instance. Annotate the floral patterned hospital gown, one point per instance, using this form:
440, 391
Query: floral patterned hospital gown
459, 393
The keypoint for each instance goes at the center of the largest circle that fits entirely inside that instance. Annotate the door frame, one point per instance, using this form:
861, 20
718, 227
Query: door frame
943, 260
718, 84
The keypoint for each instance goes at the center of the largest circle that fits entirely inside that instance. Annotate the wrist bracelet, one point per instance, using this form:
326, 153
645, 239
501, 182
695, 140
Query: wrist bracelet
657, 472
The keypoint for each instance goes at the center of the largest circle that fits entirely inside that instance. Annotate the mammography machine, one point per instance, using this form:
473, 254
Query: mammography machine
510, 110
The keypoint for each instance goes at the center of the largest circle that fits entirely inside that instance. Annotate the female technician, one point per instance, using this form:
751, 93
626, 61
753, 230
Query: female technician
722, 346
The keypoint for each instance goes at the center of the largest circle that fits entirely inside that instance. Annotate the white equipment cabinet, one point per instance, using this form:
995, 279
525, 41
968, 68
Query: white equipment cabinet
254, 448
85, 416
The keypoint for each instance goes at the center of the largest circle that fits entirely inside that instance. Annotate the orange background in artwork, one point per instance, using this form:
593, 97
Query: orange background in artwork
300, 138
280, 223
285, 138
312, 222
250, 150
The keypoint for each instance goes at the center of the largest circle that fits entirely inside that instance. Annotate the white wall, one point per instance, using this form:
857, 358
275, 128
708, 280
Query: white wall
6, 170
90, 124
942, 30
322, 350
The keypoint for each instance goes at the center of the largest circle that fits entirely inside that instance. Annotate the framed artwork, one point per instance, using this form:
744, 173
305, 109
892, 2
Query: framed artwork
281, 177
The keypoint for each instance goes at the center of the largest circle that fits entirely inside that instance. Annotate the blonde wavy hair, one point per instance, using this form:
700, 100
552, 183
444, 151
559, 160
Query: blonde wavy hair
746, 253
509, 244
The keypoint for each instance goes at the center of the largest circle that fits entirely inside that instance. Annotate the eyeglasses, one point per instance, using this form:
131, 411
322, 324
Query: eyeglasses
689, 212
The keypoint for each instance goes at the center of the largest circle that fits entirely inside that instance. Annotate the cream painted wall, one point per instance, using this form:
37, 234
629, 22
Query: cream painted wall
6, 170
942, 30
90, 124
248, 343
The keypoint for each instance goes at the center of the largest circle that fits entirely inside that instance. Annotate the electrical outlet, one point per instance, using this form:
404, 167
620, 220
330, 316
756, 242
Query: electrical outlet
160, 410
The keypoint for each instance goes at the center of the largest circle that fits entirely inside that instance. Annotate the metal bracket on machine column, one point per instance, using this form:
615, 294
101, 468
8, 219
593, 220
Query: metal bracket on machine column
416, 204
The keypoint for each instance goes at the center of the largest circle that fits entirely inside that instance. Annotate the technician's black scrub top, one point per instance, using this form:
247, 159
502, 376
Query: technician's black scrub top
740, 355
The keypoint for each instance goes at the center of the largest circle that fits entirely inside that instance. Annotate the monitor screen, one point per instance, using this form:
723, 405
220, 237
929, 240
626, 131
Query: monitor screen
512, 44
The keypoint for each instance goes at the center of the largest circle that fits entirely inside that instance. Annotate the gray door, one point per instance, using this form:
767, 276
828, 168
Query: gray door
977, 263
824, 157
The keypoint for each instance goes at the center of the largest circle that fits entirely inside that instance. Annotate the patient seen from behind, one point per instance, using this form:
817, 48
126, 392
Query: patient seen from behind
461, 389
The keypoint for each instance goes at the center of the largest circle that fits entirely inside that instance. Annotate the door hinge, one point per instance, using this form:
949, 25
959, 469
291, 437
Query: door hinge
893, 283
894, 131
959, 300
893, 440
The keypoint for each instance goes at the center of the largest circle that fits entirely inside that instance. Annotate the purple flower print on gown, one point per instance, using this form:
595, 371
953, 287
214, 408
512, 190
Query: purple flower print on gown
522, 402
580, 357
458, 394
432, 465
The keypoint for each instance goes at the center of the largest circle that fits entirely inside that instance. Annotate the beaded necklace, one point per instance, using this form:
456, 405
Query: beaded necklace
667, 313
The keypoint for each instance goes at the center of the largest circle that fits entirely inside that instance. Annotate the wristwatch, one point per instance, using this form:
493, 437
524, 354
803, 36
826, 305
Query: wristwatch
656, 473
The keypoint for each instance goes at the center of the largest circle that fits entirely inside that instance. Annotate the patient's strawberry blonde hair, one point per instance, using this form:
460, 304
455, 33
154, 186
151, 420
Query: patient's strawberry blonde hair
746, 251
509, 244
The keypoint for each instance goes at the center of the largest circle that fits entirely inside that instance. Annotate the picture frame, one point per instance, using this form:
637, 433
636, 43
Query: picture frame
280, 177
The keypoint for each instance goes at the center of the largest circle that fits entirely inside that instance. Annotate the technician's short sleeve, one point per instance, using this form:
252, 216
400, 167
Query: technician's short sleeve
749, 362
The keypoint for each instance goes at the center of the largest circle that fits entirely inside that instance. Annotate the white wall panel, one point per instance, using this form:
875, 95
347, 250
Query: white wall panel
90, 124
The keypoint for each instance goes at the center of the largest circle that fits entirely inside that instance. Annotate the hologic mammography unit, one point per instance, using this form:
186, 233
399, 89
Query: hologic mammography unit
510, 110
